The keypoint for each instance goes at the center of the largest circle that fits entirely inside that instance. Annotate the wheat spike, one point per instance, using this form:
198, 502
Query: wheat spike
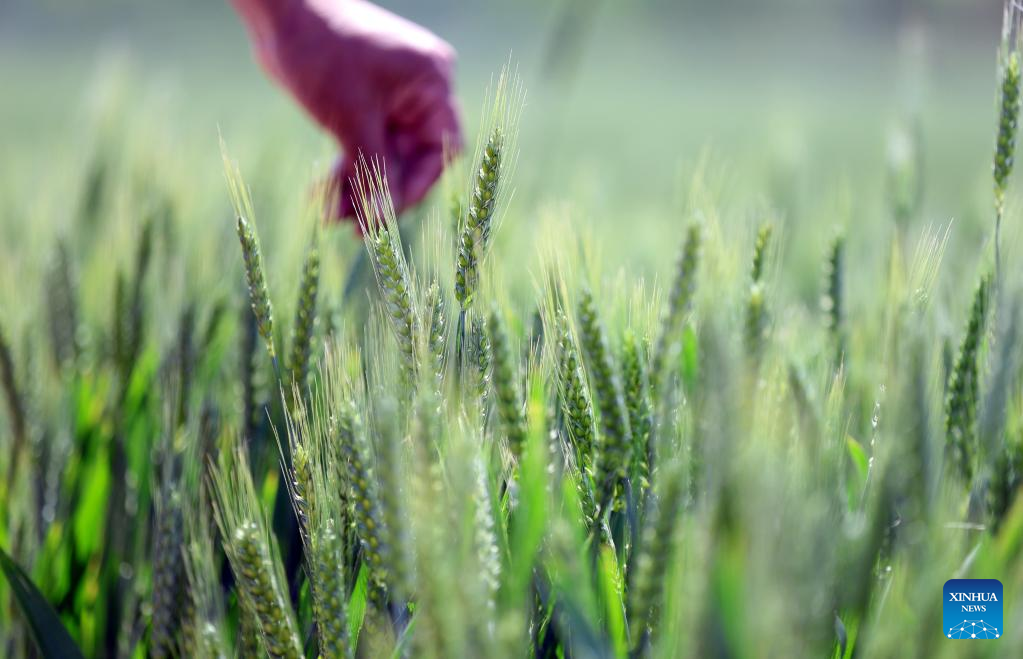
637, 401
614, 451
259, 296
303, 327
963, 389
679, 300
1008, 109
394, 279
575, 400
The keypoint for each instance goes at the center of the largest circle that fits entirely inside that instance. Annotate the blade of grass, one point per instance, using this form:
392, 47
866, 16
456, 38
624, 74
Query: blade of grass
49, 633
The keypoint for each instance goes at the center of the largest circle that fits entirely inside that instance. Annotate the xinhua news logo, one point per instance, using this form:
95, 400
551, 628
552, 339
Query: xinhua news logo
973, 609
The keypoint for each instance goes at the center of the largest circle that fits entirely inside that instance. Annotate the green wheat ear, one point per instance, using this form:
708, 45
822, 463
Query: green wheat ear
392, 493
760, 250
204, 635
491, 169
248, 373
437, 336
1006, 481
169, 584
15, 405
1008, 117
475, 233
305, 316
833, 299
481, 353
756, 302
963, 389
62, 308
637, 401
510, 403
317, 489
615, 447
394, 278
355, 451
326, 558
255, 277
1008, 108
258, 575
656, 551
576, 404
254, 558
303, 491
679, 300
258, 293
484, 538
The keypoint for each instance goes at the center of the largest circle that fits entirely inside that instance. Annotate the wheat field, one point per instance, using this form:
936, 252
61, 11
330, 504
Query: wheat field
598, 396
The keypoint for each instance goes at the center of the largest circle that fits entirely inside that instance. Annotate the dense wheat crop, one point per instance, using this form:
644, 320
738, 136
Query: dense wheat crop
463, 439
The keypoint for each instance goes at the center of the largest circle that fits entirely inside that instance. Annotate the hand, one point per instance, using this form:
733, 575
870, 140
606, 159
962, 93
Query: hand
380, 84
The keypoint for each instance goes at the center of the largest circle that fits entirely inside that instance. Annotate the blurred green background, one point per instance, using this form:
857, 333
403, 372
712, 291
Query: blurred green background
790, 106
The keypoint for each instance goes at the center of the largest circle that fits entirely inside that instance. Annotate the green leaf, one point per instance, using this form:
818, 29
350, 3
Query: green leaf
357, 606
614, 606
690, 357
52, 571
862, 466
859, 458
529, 519
89, 522
49, 634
